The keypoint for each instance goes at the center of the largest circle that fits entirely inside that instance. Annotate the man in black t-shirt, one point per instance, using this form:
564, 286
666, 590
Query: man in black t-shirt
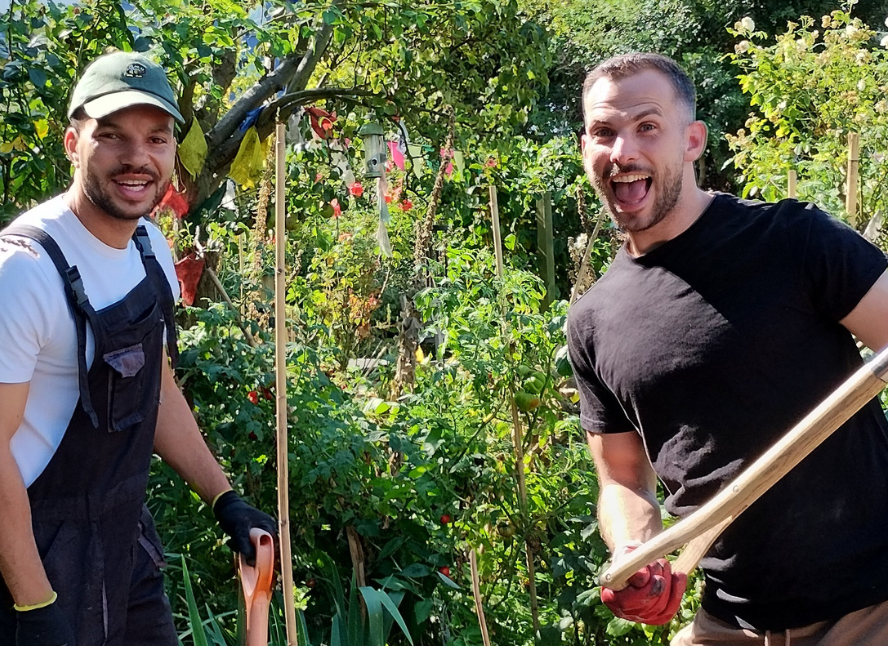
720, 324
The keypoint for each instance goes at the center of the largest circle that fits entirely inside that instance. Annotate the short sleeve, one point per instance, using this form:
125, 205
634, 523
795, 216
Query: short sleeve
840, 265
25, 322
600, 412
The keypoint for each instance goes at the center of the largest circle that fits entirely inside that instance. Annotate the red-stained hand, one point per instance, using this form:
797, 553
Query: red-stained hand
652, 596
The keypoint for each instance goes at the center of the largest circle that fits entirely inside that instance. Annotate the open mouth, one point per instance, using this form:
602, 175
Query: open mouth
632, 188
134, 189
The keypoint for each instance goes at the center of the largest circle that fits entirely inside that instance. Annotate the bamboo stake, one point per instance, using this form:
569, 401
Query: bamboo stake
517, 431
476, 592
280, 353
851, 188
497, 236
792, 179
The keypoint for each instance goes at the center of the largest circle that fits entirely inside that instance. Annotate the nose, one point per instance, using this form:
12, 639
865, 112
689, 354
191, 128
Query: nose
134, 153
624, 150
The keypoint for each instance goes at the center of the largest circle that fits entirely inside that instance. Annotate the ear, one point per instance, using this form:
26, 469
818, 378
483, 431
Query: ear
695, 135
70, 141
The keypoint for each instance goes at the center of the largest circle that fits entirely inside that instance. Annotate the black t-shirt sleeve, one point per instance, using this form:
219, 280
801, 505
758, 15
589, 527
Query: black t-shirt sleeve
600, 412
839, 265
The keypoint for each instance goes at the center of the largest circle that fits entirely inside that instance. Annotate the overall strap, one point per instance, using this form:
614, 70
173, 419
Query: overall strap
77, 301
162, 287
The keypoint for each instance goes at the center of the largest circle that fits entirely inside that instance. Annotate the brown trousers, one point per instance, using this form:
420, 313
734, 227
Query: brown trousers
866, 627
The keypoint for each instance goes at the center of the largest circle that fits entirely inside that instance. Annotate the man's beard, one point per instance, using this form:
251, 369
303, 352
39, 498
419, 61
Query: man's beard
668, 194
100, 198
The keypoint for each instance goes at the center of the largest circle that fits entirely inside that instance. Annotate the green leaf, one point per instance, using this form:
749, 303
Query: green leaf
617, 627
394, 612
38, 77
510, 242
331, 15
423, 610
416, 570
194, 620
302, 629
448, 581
373, 603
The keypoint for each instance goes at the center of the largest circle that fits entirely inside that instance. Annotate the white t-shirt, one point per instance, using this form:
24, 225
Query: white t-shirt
38, 339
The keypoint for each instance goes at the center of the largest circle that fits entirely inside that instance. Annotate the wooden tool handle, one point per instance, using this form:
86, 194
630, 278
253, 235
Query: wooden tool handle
761, 475
256, 581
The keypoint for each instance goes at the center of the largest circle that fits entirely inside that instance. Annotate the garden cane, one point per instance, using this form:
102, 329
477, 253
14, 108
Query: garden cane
700, 529
256, 582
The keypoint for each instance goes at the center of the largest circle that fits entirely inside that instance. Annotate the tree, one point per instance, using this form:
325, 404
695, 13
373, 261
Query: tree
392, 58
693, 32
819, 82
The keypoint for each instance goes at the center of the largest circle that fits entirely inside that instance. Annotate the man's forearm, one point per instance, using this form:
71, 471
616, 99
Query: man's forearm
626, 516
20, 561
179, 442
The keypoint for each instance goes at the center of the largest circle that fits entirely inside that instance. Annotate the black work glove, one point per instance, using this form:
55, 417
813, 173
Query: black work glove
47, 626
237, 518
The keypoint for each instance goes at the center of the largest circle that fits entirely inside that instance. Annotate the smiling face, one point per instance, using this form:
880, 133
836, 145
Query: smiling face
123, 162
639, 146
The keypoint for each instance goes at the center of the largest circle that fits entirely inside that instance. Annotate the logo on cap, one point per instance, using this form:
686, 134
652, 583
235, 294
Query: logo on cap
135, 70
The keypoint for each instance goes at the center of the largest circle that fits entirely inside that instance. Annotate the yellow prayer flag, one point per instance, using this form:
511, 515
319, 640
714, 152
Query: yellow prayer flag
246, 169
193, 149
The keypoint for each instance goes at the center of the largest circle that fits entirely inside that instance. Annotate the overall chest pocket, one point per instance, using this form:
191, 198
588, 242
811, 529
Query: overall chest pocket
134, 377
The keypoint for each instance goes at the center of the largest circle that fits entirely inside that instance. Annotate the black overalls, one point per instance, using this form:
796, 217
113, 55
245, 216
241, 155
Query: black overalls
95, 535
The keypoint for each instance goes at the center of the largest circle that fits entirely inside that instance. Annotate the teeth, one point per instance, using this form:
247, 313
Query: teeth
630, 178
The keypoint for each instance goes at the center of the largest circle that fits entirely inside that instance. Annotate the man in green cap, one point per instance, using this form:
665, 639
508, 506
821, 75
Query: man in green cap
87, 391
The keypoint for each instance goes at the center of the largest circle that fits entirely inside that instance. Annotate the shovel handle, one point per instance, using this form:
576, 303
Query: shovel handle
256, 582
759, 476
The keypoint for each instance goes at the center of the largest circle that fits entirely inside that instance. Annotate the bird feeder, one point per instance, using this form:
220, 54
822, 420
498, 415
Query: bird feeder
374, 149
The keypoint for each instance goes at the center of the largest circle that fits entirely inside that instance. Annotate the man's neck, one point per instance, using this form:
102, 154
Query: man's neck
687, 211
112, 231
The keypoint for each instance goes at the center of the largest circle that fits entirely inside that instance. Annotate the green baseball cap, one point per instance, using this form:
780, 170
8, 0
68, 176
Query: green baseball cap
119, 80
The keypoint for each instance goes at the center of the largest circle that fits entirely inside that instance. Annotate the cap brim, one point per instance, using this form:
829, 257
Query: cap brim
110, 103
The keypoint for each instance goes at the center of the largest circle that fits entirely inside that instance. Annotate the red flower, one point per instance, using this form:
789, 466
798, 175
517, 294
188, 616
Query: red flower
253, 396
445, 519
356, 189
491, 162
406, 205
266, 392
318, 178
337, 210
388, 199
444, 570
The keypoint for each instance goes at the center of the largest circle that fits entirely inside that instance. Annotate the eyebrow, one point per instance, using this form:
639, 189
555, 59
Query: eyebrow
641, 115
110, 122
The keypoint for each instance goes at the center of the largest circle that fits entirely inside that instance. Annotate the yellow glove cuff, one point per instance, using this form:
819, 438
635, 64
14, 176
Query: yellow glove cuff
37, 606
219, 495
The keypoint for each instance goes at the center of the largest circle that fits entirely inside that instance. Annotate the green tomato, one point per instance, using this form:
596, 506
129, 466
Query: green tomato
526, 401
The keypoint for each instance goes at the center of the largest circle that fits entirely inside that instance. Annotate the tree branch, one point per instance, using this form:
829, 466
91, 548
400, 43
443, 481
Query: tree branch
292, 73
281, 108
